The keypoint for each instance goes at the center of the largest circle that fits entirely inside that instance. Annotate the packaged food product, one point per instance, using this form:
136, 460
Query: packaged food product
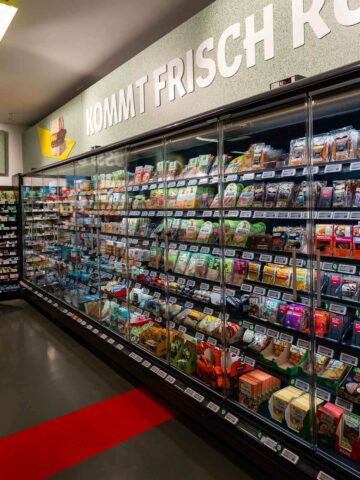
356, 242
297, 317
181, 197
356, 196
328, 418
239, 271
271, 195
301, 195
205, 234
246, 197
342, 246
235, 165
324, 238
285, 194
334, 370
302, 279
172, 259
343, 193
192, 230
283, 276
321, 321
325, 197
270, 310
231, 194
213, 272
201, 267
147, 173
296, 238
344, 143
350, 388
321, 148
228, 269
256, 303
182, 262
204, 165
333, 289
298, 152
279, 238
253, 271
337, 326
241, 234
348, 435
350, 288
191, 168
280, 401
259, 195
229, 231
297, 413
260, 342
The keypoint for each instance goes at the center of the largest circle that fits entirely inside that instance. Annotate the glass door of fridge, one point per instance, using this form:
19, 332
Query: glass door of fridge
268, 280
194, 261
335, 156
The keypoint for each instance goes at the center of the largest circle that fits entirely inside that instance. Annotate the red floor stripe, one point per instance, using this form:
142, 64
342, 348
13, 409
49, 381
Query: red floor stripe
41, 451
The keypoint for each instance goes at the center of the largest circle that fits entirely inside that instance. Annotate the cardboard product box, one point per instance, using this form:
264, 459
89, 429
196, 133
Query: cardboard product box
280, 400
297, 414
348, 436
328, 418
324, 238
350, 387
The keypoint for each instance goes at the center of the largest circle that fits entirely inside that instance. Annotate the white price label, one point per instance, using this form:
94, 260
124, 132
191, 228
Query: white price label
314, 170
265, 258
234, 350
208, 311
287, 297
289, 172
205, 250
248, 255
284, 337
213, 407
295, 215
96, 331
203, 181
259, 291
327, 266
303, 343
189, 305
250, 361
161, 374
172, 300
192, 182
204, 286
270, 214
172, 325
191, 283
248, 176
229, 253
179, 214
349, 359
181, 281
258, 214
274, 294
189, 391
111, 341
199, 398
349, 269
324, 476
182, 247
341, 215
272, 333
290, 456
181, 183
340, 309
232, 214
333, 168
282, 215
328, 352
340, 402
119, 346
207, 213
354, 166
323, 394
355, 215
325, 215
268, 174
212, 341
245, 214
171, 184
146, 364
103, 336
182, 329
194, 248
269, 442
170, 379
216, 251
302, 385
229, 417
281, 260
260, 329
191, 213
214, 180
246, 288
199, 336
154, 369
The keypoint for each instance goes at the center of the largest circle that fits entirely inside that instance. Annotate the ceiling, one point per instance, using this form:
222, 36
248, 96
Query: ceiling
54, 50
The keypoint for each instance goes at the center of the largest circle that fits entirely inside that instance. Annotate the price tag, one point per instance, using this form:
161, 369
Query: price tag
229, 253
179, 214
286, 338
232, 214
171, 278
199, 336
281, 260
194, 248
172, 245
260, 329
189, 305
119, 346
144, 187
203, 181
172, 325
341, 215
354, 166
212, 341
208, 311
161, 374
305, 301
270, 214
258, 214
151, 214
170, 379
324, 476
272, 333
289, 172
144, 214
259, 291
204, 286
199, 398
294, 215
340, 402
248, 176
325, 215
248, 255
191, 213
214, 180
104, 336
147, 291
328, 352
183, 247
303, 343
182, 329
213, 407
154, 369
181, 183
268, 174
274, 294
287, 297
191, 283
349, 359
204, 250
245, 214
314, 170
216, 251
172, 300
302, 385
207, 213
333, 168
192, 182
250, 361
290, 456
157, 295
340, 309
350, 269
355, 215
323, 394
181, 281
235, 351
246, 288
229, 417
326, 266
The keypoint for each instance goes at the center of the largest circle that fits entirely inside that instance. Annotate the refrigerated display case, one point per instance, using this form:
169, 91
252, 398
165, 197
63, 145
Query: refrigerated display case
225, 254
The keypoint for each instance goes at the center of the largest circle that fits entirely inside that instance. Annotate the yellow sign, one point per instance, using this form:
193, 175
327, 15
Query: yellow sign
45, 145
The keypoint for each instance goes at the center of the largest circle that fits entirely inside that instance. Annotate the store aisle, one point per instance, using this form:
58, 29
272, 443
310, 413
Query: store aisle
45, 374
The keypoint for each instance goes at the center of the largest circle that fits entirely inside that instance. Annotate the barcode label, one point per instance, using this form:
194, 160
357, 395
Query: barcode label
272, 333
328, 352
259, 291
248, 255
323, 395
303, 343
281, 260
286, 338
154, 369
333, 168
265, 258
229, 417
199, 336
194, 248
340, 309
260, 329
290, 172
274, 294
340, 402
302, 385
349, 359
213, 407
350, 269
269, 174
290, 456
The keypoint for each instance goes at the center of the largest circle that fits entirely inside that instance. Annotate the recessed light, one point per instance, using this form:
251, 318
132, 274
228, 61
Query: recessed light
7, 13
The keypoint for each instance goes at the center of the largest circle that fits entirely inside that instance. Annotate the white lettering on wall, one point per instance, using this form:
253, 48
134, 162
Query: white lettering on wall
226, 70
110, 111
159, 84
312, 17
205, 63
190, 71
265, 35
344, 15
126, 103
176, 72
98, 117
140, 84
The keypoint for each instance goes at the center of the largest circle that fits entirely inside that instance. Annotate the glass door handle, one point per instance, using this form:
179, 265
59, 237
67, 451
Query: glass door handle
294, 274
318, 278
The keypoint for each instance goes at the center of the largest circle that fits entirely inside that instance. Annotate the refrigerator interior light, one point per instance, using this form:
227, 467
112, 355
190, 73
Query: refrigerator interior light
7, 13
